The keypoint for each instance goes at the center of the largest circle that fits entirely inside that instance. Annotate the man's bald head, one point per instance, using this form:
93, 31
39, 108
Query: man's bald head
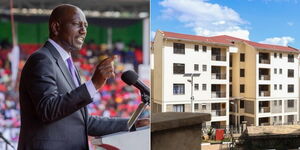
59, 13
68, 27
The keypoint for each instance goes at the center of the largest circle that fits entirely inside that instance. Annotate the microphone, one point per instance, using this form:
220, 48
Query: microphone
131, 78
6, 141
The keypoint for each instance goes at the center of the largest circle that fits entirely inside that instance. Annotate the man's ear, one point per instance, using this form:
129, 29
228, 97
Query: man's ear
55, 27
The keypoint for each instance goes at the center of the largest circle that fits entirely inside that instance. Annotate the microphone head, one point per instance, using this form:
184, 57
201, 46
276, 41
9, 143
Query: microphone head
129, 77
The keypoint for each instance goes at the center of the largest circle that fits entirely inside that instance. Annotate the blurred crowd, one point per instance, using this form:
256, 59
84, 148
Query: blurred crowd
115, 99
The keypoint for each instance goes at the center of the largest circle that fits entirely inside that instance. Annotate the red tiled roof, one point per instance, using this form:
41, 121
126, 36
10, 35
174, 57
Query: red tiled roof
227, 40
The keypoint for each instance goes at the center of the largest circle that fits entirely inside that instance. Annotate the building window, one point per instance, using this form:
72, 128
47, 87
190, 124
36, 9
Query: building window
290, 88
280, 87
178, 68
275, 87
203, 87
242, 57
280, 71
242, 88
204, 48
196, 48
178, 48
275, 71
280, 102
196, 67
280, 55
178, 108
290, 58
204, 68
275, 103
290, 103
178, 89
196, 87
242, 104
196, 106
242, 72
203, 107
275, 55
290, 73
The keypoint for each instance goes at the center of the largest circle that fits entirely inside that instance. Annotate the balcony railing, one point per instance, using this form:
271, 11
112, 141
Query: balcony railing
218, 76
218, 57
264, 93
218, 94
264, 77
264, 109
216, 113
264, 124
264, 61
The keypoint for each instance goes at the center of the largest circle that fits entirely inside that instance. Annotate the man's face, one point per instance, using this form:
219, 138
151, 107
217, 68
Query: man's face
73, 29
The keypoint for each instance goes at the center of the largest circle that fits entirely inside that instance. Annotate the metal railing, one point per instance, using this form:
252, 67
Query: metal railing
216, 113
218, 94
218, 57
264, 93
218, 75
264, 110
264, 77
264, 61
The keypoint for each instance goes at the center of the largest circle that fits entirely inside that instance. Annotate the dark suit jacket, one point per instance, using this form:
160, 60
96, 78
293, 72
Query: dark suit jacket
53, 113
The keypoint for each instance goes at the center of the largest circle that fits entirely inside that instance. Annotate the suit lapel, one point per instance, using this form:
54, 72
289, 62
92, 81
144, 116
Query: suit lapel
61, 64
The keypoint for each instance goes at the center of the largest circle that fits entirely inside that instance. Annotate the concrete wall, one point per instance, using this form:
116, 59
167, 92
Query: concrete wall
157, 89
276, 108
249, 106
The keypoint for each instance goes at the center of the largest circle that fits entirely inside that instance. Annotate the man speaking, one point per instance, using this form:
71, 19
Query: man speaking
53, 101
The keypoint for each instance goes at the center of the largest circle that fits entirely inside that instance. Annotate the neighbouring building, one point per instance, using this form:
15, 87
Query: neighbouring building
233, 79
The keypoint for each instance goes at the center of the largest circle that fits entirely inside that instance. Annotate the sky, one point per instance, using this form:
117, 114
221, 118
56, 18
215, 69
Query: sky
264, 21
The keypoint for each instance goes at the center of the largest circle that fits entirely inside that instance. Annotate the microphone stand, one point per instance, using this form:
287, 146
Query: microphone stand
6, 142
142, 106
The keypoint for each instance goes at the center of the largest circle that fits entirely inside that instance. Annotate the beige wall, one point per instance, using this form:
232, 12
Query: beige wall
250, 71
157, 73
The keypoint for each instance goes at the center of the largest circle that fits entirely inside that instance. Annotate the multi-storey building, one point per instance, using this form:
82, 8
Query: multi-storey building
257, 82
265, 83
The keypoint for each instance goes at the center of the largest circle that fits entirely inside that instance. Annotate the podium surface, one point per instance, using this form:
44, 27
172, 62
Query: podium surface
136, 140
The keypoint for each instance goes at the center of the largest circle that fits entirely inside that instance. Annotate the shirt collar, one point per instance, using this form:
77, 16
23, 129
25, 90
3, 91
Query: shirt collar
64, 54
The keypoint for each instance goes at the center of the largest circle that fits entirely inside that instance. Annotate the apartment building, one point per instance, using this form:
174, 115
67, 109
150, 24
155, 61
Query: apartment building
181, 59
264, 84
232, 79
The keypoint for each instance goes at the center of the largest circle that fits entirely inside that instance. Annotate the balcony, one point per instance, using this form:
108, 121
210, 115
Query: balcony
218, 91
264, 74
264, 90
218, 54
264, 107
218, 72
265, 121
264, 58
